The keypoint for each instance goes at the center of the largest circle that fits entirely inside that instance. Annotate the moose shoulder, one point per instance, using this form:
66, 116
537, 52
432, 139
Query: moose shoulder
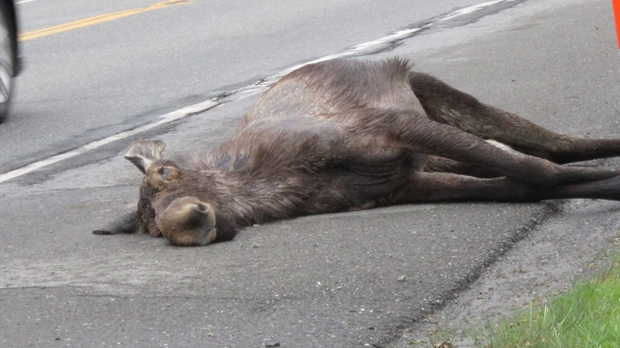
344, 135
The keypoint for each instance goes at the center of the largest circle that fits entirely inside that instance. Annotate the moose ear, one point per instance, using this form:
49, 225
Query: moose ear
142, 153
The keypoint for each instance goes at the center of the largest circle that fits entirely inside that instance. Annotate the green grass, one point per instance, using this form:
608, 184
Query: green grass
588, 316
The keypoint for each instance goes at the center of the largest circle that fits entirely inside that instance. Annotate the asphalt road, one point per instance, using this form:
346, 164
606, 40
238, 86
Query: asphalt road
344, 280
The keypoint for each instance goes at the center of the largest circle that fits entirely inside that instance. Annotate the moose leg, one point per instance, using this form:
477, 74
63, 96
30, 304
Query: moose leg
446, 141
412, 130
448, 105
436, 164
445, 187
127, 223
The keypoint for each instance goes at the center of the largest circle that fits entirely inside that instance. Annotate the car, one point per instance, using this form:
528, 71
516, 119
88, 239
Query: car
9, 54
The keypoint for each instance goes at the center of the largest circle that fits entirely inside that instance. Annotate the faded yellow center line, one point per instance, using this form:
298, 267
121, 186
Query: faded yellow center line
97, 19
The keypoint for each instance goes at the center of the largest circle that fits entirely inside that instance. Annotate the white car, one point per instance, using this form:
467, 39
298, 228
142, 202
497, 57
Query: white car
9, 54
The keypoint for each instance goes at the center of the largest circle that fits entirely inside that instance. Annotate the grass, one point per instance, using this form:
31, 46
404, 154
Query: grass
588, 316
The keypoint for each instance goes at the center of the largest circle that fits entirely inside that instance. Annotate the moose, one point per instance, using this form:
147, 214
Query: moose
350, 134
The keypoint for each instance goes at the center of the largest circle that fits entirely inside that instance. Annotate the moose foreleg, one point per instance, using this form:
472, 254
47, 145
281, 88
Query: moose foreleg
127, 223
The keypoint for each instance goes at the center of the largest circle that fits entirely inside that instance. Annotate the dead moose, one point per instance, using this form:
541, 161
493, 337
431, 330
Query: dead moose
343, 135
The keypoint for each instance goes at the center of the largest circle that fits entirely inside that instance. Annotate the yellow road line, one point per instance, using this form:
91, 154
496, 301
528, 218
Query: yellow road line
97, 19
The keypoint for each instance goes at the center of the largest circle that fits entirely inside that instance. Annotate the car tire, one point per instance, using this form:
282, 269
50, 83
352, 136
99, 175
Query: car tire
7, 58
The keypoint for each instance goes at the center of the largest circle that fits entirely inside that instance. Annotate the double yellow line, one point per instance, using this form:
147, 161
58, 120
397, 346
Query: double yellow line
97, 19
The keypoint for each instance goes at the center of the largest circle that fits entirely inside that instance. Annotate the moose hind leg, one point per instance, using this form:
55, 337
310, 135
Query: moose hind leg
445, 104
420, 134
435, 164
446, 187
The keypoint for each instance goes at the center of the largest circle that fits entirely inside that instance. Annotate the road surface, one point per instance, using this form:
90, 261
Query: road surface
343, 280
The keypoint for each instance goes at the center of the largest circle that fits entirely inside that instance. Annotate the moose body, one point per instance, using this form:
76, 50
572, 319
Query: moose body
345, 135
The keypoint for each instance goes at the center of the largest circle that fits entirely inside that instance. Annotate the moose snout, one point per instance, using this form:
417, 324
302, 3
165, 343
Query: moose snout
200, 208
187, 221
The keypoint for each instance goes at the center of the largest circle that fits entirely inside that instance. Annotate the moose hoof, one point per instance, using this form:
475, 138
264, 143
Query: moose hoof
188, 222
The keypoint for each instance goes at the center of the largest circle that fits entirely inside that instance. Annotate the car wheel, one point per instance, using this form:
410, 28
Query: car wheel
7, 59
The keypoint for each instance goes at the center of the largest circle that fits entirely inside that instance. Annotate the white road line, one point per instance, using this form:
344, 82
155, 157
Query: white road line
167, 118
247, 90
471, 9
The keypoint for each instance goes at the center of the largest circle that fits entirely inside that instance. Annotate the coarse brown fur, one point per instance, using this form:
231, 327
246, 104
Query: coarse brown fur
343, 135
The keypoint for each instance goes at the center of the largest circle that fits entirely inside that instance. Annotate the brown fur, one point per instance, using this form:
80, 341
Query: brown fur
345, 135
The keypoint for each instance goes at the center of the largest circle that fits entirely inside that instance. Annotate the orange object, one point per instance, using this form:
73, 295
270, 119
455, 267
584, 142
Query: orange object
616, 5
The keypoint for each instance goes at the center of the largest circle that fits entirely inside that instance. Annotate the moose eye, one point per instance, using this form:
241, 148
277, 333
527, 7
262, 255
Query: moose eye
163, 171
